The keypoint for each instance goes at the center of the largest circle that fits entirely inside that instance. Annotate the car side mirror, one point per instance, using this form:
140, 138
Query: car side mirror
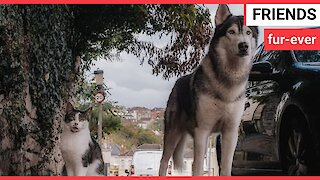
261, 71
261, 67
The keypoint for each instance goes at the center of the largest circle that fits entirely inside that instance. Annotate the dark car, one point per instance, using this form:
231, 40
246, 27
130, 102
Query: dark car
280, 129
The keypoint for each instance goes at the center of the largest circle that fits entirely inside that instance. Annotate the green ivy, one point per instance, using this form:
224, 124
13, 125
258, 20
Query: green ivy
35, 53
51, 62
11, 71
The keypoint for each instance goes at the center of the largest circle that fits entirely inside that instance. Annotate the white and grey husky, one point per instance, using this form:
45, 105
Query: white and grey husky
212, 98
82, 155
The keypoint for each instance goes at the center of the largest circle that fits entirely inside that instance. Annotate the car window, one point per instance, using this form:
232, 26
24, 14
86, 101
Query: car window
307, 56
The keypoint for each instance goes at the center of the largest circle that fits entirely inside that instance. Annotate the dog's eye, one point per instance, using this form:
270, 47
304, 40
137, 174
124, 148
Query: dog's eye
231, 32
248, 32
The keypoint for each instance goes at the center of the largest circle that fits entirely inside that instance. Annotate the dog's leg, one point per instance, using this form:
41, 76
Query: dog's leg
229, 142
179, 153
200, 145
171, 139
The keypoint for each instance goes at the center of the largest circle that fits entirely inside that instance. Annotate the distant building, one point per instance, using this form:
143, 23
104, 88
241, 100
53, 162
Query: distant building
106, 156
124, 113
122, 163
119, 162
128, 117
157, 113
144, 123
119, 110
140, 112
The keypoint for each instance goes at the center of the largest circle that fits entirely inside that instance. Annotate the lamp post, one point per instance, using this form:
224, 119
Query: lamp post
99, 98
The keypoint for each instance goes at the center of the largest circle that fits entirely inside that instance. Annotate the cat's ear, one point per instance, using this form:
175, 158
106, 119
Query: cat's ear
69, 107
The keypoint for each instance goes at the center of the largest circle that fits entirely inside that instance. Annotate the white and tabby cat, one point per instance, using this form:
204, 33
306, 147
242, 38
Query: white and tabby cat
80, 152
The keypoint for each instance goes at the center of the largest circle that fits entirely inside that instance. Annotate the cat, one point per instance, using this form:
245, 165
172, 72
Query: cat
81, 153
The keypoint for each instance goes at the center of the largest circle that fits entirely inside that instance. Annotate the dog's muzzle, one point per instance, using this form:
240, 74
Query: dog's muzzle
243, 49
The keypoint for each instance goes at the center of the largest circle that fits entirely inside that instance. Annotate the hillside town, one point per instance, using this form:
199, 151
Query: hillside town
118, 159
142, 116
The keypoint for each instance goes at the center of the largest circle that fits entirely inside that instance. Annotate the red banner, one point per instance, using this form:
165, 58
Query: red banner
292, 39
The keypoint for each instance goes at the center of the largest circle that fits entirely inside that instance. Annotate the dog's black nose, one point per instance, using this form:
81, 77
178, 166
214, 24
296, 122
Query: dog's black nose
243, 46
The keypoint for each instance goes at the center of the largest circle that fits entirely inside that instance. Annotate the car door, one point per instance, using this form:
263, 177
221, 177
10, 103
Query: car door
257, 148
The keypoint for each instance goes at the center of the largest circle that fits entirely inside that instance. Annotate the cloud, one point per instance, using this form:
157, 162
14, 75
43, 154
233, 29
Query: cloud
133, 84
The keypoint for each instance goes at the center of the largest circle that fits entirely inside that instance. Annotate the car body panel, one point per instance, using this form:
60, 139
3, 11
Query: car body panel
290, 84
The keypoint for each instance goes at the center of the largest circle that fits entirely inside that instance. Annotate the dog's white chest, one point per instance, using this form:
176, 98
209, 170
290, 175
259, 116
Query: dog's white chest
211, 111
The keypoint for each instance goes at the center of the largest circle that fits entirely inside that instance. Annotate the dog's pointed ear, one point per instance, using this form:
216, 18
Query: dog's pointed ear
222, 14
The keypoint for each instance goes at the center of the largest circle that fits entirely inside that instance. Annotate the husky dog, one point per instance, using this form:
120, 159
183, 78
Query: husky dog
80, 152
212, 98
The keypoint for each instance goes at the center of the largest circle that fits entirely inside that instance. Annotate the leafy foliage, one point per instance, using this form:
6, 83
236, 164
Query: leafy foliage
110, 122
158, 125
11, 70
36, 70
85, 92
85, 97
131, 136
51, 61
188, 27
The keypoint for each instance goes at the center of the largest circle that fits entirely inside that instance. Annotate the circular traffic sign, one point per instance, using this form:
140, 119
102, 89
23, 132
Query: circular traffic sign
99, 97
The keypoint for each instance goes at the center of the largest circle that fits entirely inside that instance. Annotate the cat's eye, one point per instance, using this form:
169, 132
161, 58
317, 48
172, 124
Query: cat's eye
231, 32
248, 32
68, 119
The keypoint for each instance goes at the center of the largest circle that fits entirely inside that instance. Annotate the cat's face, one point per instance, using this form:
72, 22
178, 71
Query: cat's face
76, 120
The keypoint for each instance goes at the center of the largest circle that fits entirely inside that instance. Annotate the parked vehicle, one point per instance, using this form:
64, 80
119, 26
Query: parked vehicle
280, 129
145, 163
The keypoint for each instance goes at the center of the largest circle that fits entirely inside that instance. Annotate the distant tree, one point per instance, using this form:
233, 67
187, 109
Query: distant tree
146, 136
131, 136
44, 49
158, 125
110, 122
85, 92
188, 27
85, 98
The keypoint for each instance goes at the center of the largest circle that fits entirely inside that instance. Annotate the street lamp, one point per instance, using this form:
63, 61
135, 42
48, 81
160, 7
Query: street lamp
99, 98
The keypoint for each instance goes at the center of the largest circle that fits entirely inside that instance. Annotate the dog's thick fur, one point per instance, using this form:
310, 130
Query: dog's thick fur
212, 98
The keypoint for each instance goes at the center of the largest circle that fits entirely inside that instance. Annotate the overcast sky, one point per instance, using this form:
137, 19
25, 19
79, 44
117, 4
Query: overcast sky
133, 84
